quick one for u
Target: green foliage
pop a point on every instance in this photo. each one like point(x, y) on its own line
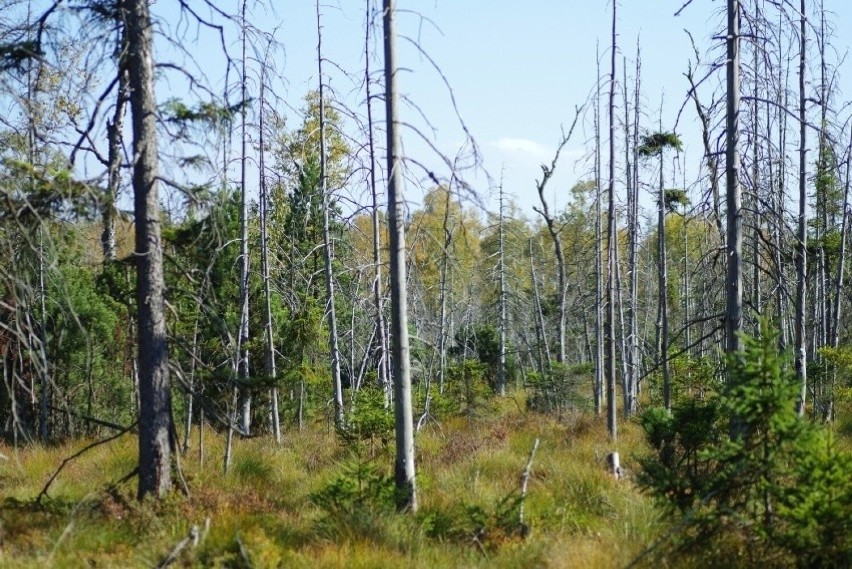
point(749, 476)
point(560, 390)
point(86, 337)
point(691, 379)
point(206, 114)
point(467, 391)
point(354, 502)
point(485, 527)
point(675, 198)
point(369, 420)
point(482, 342)
point(677, 470)
point(654, 144)
point(31, 192)
point(833, 383)
point(828, 190)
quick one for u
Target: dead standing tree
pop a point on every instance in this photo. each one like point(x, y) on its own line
point(404, 471)
point(155, 407)
point(553, 231)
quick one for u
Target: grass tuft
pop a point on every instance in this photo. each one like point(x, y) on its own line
point(312, 502)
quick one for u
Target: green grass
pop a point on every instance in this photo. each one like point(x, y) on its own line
point(265, 512)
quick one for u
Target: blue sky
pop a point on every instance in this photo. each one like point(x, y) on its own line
point(517, 70)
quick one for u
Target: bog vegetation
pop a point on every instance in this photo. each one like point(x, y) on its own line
point(275, 360)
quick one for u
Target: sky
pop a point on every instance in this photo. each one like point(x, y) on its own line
point(516, 71)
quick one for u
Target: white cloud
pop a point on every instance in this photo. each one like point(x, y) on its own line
point(531, 148)
point(517, 162)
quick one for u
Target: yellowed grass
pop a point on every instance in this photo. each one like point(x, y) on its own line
point(261, 513)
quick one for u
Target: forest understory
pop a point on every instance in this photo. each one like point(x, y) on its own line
point(317, 500)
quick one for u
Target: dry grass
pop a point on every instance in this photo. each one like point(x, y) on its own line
point(262, 515)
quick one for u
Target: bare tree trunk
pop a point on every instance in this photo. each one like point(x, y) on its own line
point(841, 261)
point(609, 324)
point(626, 393)
point(733, 288)
point(190, 396)
point(628, 377)
point(404, 467)
point(560, 257)
point(444, 293)
point(114, 158)
point(633, 238)
point(757, 217)
point(802, 232)
point(778, 193)
point(544, 363)
point(44, 363)
point(155, 415)
point(828, 414)
point(599, 359)
point(501, 370)
point(263, 198)
point(378, 300)
point(331, 311)
point(550, 221)
point(663, 284)
point(244, 401)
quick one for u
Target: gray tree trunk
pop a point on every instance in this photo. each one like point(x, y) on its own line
point(404, 470)
point(544, 361)
point(663, 278)
point(244, 400)
point(599, 359)
point(799, 333)
point(331, 312)
point(383, 362)
point(271, 368)
point(501, 370)
point(733, 281)
point(609, 324)
point(155, 410)
point(557, 248)
point(634, 353)
point(114, 157)
point(444, 291)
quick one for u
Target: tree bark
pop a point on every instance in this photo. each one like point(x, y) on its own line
point(734, 239)
point(599, 359)
point(501, 370)
point(802, 230)
point(114, 157)
point(609, 324)
point(331, 311)
point(404, 471)
point(663, 278)
point(155, 412)
point(634, 354)
point(244, 400)
point(383, 362)
point(263, 214)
